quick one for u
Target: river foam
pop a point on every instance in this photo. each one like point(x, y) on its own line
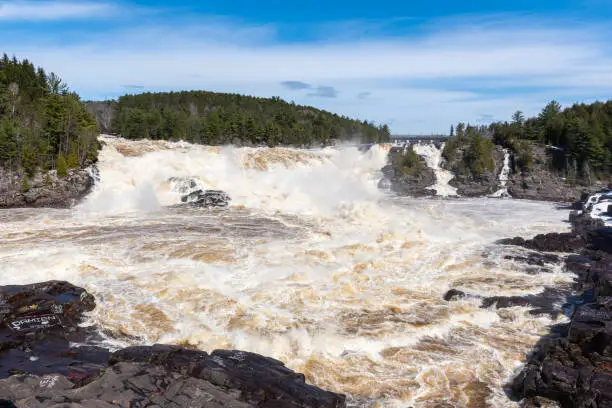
point(311, 264)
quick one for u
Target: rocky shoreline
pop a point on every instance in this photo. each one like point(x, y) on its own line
point(47, 359)
point(45, 190)
point(573, 364)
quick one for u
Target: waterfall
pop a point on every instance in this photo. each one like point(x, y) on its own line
point(503, 177)
point(433, 158)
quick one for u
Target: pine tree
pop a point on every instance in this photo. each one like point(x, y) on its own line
point(61, 166)
point(73, 158)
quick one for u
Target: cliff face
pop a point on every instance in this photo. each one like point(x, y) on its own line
point(407, 182)
point(540, 183)
point(537, 183)
point(44, 190)
point(485, 184)
point(104, 111)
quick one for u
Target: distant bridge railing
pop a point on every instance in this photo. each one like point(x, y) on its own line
point(417, 138)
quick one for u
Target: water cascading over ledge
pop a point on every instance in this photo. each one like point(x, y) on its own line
point(433, 157)
point(310, 264)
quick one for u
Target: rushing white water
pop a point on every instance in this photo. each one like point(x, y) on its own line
point(311, 264)
point(503, 177)
point(433, 157)
point(597, 206)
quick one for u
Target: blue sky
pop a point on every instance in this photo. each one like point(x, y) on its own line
point(417, 66)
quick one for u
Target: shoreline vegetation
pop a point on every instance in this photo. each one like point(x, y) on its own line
point(43, 125)
point(577, 141)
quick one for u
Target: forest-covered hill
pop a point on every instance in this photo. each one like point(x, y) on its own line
point(222, 118)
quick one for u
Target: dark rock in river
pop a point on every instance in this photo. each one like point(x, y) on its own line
point(535, 258)
point(553, 242)
point(207, 198)
point(454, 294)
point(170, 376)
point(403, 181)
point(47, 360)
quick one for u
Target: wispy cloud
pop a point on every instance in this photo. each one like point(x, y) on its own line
point(133, 86)
point(426, 80)
point(296, 85)
point(485, 118)
point(324, 92)
point(53, 10)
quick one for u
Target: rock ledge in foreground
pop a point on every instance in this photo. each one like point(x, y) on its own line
point(47, 359)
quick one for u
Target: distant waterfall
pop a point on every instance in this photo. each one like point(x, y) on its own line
point(433, 158)
point(503, 177)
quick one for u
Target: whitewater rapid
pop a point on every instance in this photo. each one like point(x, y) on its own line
point(311, 264)
point(504, 175)
point(433, 158)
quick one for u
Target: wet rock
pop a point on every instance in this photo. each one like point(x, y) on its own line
point(40, 325)
point(207, 198)
point(171, 376)
point(553, 242)
point(47, 360)
point(502, 302)
point(535, 258)
point(258, 379)
point(541, 303)
point(454, 294)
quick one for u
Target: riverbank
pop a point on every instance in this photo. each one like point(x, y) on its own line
point(45, 189)
point(573, 364)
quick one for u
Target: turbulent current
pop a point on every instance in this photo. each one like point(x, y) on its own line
point(311, 264)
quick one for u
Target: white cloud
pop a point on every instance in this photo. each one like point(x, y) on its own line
point(52, 10)
point(423, 82)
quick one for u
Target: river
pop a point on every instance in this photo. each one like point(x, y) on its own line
point(311, 264)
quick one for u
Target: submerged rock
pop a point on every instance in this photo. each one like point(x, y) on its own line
point(207, 198)
point(46, 359)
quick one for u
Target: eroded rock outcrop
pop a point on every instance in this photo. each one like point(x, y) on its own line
point(415, 182)
point(46, 190)
point(540, 183)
